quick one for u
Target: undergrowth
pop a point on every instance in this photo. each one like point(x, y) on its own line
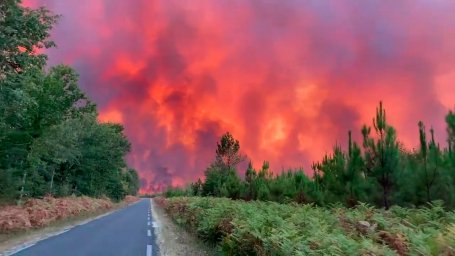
point(269, 228)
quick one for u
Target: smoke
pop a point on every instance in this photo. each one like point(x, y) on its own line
point(286, 78)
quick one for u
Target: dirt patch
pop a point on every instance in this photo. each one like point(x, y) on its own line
point(174, 240)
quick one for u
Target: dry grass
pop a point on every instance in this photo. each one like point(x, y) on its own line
point(36, 213)
point(14, 239)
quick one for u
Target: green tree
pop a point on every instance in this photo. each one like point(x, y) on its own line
point(250, 176)
point(213, 181)
point(221, 177)
point(131, 181)
point(197, 188)
point(450, 121)
point(228, 152)
point(382, 155)
point(50, 140)
point(354, 179)
point(428, 150)
point(22, 31)
point(330, 172)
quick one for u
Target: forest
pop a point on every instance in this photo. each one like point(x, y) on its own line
point(51, 142)
point(379, 171)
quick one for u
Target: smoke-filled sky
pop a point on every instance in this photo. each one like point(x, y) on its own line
point(286, 78)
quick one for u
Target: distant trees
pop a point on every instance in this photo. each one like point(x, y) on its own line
point(380, 172)
point(50, 140)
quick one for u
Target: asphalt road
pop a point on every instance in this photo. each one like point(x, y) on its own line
point(125, 232)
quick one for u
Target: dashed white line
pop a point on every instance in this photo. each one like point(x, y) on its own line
point(149, 232)
point(149, 250)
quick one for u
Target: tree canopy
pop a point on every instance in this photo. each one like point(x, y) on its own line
point(50, 139)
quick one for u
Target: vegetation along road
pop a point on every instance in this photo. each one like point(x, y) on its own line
point(125, 232)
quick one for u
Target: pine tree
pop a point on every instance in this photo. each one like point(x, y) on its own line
point(250, 176)
point(450, 121)
point(228, 152)
point(382, 154)
point(354, 180)
point(429, 154)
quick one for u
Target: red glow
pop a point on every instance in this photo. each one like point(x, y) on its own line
point(286, 78)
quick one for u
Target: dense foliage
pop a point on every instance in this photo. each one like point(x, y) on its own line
point(269, 228)
point(379, 172)
point(50, 139)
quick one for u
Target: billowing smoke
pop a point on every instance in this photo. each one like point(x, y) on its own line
point(287, 78)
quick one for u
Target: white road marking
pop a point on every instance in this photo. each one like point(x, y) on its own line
point(148, 223)
point(155, 225)
point(149, 250)
point(149, 233)
point(31, 243)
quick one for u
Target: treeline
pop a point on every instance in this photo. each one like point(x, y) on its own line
point(378, 171)
point(50, 139)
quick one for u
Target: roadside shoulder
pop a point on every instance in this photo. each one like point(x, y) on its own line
point(173, 240)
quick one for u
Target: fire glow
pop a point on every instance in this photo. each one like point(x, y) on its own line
point(286, 78)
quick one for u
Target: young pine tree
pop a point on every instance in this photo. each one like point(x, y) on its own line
point(250, 176)
point(354, 179)
point(429, 155)
point(450, 121)
point(382, 155)
point(228, 152)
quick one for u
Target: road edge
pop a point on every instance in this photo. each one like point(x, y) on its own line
point(32, 241)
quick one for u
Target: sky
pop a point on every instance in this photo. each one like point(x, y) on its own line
point(287, 78)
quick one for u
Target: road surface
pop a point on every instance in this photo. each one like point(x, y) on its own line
point(128, 232)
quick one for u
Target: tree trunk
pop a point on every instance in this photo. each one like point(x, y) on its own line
point(52, 181)
point(386, 198)
point(24, 178)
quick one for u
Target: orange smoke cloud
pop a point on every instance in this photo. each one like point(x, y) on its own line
point(287, 78)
